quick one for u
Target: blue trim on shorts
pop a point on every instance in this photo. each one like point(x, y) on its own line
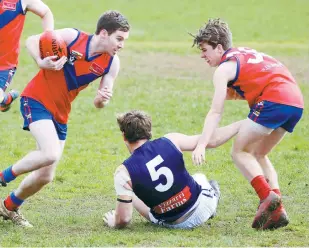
point(274, 115)
point(33, 110)
point(6, 77)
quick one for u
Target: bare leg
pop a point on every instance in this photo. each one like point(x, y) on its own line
point(279, 217)
point(49, 150)
point(252, 144)
point(41, 162)
point(263, 148)
point(37, 179)
point(242, 155)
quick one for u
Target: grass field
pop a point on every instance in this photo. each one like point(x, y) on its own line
point(164, 76)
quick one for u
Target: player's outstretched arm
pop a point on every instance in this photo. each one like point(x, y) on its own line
point(105, 90)
point(220, 136)
point(223, 74)
point(41, 9)
point(224, 134)
point(122, 215)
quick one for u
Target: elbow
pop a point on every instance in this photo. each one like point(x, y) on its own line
point(211, 145)
point(48, 14)
point(216, 112)
point(214, 116)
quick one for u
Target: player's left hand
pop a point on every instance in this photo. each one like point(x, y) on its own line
point(105, 94)
point(109, 218)
point(198, 155)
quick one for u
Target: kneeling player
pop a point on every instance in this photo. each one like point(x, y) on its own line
point(154, 179)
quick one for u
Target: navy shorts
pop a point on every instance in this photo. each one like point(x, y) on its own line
point(6, 77)
point(33, 110)
point(275, 115)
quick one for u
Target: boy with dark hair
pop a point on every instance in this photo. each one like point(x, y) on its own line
point(155, 181)
point(46, 102)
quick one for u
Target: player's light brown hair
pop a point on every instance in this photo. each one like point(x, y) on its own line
point(135, 125)
point(112, 21)
point(214, 32)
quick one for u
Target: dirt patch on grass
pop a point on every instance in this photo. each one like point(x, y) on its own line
point(192, 66)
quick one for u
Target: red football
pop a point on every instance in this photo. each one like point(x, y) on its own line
point(52, 44)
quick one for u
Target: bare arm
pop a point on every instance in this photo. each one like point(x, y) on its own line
point(32, 45)
point(141, 207)
point(123, 212)
point(220, 136)
point(122, 215)
point(105, 90)
point(42, 10)
point(223, 74)
point(224, 134)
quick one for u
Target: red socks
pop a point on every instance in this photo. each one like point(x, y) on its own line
point(12, 202)
point(261, 187)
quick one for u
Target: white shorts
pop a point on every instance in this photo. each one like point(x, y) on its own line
point(204, 207)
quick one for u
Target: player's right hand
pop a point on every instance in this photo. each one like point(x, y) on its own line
point(109, 218)
point(198, 155)
point(48, 63)
point(105, 94)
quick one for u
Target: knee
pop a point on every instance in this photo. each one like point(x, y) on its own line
point(239, 152)
point(51, 156)
point(259, 155)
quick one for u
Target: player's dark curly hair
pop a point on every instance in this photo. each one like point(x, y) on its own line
point(112, 21)
point(215, 32)
point(135, 125)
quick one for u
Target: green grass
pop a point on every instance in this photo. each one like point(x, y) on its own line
point(164, 76)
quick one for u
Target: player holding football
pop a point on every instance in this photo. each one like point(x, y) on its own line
point(155, 181)
point(46, 101)
point(12, 18)
point(276, 105)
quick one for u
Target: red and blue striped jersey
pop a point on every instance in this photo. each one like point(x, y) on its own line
point(56, 90)
point(12, 19)
point(261, 77)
